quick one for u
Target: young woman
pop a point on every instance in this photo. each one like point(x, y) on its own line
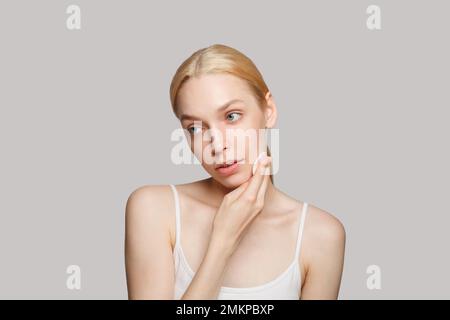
point(233, 235)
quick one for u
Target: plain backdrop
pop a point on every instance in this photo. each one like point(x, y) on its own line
point(85, 119)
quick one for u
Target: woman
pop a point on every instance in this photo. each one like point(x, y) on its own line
point(233, 235)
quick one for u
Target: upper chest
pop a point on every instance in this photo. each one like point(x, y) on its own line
point(265, 251)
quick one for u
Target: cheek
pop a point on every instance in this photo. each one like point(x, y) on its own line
point(197, 146)
point(202, 150)
point(251, 129)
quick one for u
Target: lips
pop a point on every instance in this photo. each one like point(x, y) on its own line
point(228, 169)
point(226, 164)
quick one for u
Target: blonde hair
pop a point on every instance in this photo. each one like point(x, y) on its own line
point(219, 58)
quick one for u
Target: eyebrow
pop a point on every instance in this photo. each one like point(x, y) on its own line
point(221, 108)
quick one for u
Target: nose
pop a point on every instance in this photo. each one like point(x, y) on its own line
point(217, 142)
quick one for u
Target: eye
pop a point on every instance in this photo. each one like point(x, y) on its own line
point(192, 130)
point(234, 116)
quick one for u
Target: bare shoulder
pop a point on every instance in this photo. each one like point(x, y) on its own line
point(148, 243)
point(323, 225)
point(148, 199)
point(324, 234)
point(324, 251)
point(150, 206)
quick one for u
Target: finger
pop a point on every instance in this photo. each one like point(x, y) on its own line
point(257, 179)
point(265, 183)
point(262, 189)
point(238, 191)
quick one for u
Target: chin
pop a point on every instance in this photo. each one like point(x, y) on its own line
point(232, 181)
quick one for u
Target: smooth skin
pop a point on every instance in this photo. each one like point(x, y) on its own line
point(237, 231)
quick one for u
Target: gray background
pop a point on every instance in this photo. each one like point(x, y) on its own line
point(85, 119)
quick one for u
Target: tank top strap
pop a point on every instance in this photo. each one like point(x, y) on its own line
point(177, 214)
point(300, 230)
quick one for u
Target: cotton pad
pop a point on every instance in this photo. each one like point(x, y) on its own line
point(255, 164)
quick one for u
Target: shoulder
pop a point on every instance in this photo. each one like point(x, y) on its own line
point(149, 206)
point(324, 233)
point(323, 255)
point(145, 198)
point(148, 248)
point(324, 225)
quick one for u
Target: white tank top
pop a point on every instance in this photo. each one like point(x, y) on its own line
point(285, 286)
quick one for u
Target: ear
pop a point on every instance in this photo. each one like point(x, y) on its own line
point(270, 112)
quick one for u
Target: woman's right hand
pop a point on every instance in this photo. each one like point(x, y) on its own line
point(240, 206)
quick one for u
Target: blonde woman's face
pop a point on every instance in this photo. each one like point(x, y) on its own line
point(222, 121)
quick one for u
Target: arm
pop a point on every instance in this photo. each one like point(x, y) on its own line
point(148, 251)
point(324, 256)
point(208, 279)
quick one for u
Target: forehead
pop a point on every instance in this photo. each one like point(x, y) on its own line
point(207, 92)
